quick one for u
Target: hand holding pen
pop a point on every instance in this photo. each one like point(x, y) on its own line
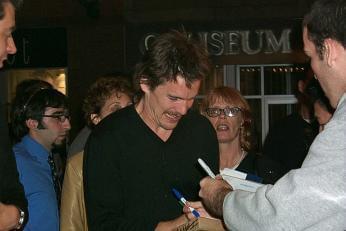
point(213, 190)
point(183, 202)
point(197, 205)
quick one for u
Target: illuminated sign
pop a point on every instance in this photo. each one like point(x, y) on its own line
point(236, 42)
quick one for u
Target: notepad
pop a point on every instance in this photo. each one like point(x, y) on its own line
point(240, 180)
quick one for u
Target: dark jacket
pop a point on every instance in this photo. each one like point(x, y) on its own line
point(11, 190)
point(288, 142)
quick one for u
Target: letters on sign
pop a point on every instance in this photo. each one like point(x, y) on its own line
point(238, 41)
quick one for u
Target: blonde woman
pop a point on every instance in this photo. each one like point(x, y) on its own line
point(107, 95)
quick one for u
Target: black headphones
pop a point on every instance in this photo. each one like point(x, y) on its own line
point(26, 104)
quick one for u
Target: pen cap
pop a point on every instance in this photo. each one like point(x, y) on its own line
point(176, 193)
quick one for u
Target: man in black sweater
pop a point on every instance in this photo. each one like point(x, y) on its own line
point(135, 156)
point(13, 205)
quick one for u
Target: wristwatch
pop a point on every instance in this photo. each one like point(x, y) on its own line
point(21, 219)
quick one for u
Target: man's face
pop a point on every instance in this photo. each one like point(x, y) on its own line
point(167, 103)
point(318, 65)
point(7, 25)
point(56, 125)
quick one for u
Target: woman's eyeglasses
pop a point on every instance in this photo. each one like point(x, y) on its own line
point(227, 111)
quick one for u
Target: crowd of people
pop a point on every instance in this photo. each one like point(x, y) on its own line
point(143, 139)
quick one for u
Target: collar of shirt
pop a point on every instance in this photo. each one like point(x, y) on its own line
point(35, 149)
point(343, 97)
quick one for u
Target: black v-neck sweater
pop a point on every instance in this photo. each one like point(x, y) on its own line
point(129, 171)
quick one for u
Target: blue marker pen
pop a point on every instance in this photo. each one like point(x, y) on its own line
point(181, 199)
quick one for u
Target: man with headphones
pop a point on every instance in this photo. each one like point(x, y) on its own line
point(41, 120)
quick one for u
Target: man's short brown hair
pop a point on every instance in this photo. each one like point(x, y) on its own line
point(15, 3)
point(172, 54)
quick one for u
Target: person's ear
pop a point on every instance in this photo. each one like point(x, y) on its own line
point(144, 84)
point(95, 118)
point(31, 124)
point(301, 86)
point(202, 112)
point(330, 51)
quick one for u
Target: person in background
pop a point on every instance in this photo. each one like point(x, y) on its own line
point(114, 90)
point(230, 115)
point(323, 111)
point(41, 119)
point(24, 88)
point(288, 140)
point(13, 204)
point(135, 156)
point(322, 108)
point(105, 96)
point(312, 197)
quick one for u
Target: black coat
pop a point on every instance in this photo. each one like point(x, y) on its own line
point(288, 142)
point(11, 190)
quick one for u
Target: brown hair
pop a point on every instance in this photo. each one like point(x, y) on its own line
point(326, 19)
point(15, 3)
point(103, 88)
point(172, 54)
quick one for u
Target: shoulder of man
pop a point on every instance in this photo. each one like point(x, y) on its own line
point(117, 118)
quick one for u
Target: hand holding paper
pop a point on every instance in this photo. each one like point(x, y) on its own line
point(237, 179)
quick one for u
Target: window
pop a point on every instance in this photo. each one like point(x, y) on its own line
point(269, 90)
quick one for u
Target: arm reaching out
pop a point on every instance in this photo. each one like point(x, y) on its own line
point(213, 192)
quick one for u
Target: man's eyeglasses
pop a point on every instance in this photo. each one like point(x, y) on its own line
point(227, 111)
point(59, 117)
